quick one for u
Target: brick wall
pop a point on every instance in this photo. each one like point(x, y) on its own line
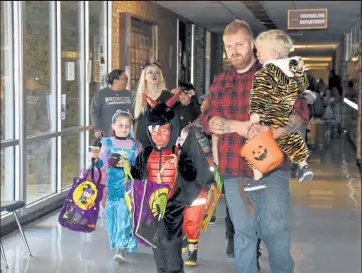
point(167, 32)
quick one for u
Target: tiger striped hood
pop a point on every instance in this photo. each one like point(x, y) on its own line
point(289, 65)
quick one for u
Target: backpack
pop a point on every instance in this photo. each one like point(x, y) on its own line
point(81, 207)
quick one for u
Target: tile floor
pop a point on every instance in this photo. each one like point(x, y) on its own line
point(325, 221)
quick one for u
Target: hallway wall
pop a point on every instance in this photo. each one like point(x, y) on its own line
point(217, 49)
point(200, 43)
point(359, 131)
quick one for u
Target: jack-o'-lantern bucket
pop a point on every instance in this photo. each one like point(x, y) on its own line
point(263, 152)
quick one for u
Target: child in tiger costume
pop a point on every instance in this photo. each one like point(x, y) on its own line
point(274, 90)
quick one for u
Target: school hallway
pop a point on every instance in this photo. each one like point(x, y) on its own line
point(325, 221)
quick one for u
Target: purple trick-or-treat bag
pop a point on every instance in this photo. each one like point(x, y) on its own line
point(81, 207)
point(148, 204)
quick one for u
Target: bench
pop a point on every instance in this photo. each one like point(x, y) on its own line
point(12, 207)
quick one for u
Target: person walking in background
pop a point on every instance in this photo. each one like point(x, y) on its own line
point(202, 103)
point(152, 84)
point(335, 81)
point(188, 108)
point(108, 100)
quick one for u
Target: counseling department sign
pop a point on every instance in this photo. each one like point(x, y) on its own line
point(308, 19)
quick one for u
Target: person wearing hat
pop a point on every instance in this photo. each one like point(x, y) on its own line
point(188, 107)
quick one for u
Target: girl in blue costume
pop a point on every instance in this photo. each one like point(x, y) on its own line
point(117, 216)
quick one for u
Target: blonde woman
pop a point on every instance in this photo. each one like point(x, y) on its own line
point(152, 84)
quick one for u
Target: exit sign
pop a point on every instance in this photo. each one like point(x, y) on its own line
point(307, 19)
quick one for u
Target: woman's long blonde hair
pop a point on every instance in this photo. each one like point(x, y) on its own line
point(140, 104)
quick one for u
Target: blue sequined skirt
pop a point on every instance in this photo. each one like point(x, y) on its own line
point(118, 226)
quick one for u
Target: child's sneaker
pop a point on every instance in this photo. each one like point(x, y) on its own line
point(305, 174)
point(212, 220)
point(120, 256)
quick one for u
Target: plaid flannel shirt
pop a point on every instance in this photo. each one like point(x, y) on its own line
point(229, 98)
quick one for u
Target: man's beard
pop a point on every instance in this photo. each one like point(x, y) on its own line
point(242, 63)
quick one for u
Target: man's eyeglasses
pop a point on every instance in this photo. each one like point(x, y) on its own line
point(124, 79)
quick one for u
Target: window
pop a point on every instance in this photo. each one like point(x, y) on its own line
point(71, 104)
point(141, 48)
point(7, 174)
point(39, 62)
point(97, 37)
point(41, 169)
point(7, 86)
point(46, 48)
point(72, 157)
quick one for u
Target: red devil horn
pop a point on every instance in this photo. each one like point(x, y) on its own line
point(150, 101)
point(171, 102)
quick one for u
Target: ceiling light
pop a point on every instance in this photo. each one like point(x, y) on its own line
point(354, 59)
point(317, 68)
point(317, 59)
point(317, 46)
point(316, 64)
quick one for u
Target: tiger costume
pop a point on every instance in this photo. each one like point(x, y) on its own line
point(274, 91)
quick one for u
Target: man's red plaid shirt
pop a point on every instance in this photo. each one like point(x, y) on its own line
point(229, 98)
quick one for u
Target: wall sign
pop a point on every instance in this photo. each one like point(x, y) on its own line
point(97, 72)
point(69, 71)
point(308, 19)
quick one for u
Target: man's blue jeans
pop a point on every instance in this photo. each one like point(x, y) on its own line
point(271, 206)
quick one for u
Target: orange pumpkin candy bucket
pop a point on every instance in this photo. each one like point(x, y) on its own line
point(263, 152)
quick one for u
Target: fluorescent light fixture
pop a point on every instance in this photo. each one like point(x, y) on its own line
point(316, 46)
point(317, 59)
point(316, 64)
point(317, 68)
point(355, 59)
point(351, 103)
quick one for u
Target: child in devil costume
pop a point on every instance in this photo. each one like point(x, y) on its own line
point(163, 179)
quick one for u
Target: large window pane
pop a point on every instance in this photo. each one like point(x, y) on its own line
point(72, 157)
point(41, 163)
point(97, 45)
point(7, 90)
point(71, 49)
point(7, 174)
point(39, 66)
